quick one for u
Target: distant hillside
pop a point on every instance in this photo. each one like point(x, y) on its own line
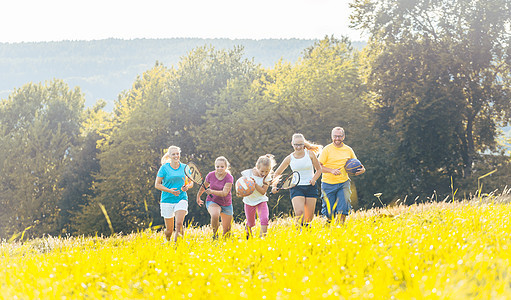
point(104, 68)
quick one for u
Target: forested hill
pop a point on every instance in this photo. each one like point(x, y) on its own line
point(104, 68)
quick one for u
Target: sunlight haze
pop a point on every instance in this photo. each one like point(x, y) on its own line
point(56, 20)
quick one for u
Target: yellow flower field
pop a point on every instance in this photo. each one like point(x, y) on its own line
point(434, 251)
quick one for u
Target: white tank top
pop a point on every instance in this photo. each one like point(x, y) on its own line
point(304, 167)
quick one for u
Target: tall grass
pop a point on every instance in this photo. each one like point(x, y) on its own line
point(434, 250)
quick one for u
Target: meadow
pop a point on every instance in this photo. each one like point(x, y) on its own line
point(440, 250)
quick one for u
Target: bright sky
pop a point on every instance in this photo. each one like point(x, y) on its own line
point(56, 20)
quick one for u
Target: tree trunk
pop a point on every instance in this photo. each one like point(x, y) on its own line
point(468, 155)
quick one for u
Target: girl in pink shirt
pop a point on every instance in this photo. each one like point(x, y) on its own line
point(218, 185)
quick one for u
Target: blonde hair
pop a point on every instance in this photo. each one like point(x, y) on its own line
point(266, 160)
point(166, 157)
point(227, 164)
point(308, 145)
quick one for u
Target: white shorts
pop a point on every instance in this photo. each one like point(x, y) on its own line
point(168, 210)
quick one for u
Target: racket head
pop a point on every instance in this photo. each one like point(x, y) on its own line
point(192, 172)
point(289, 181)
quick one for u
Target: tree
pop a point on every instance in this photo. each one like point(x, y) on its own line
point(435, 73)
point(39, 126)
point(78, 176)
point(129, 159)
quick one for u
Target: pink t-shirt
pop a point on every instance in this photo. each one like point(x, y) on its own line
point(218, 185)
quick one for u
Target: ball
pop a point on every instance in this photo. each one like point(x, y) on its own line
point(353, 165)
point(245, 186)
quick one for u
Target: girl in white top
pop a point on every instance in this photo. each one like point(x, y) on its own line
point(304, 161)
point(258, 201)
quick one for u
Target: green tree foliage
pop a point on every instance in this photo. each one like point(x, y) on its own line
point(78, 176)
point(129, 158)
point(436, 74)
point(39, 128)
point(199, 78)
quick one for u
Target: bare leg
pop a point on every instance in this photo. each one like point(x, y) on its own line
point(180, 218)
point(310, 206)
point(214, 211)
point(264, 230)
point(169, 228)
point(226, 224)
point(299, 208)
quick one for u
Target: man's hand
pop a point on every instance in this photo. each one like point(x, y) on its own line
point(361, 171)
point(336, 171)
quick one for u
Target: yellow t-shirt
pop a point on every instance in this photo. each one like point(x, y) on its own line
point(335, 158)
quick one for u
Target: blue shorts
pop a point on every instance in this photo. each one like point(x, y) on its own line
point(224, 209)
point(336, 199)
point(307, 191)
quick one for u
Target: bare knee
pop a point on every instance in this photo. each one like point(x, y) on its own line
point(215, 216)
point(179, 227)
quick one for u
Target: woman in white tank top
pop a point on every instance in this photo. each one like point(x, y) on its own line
point(304, 161)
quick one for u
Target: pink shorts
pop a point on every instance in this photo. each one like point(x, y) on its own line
point(262, 212)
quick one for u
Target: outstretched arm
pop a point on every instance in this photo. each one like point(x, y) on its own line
point(200, 192)
point(328, 170)
point(224, 192)
point(278, 172)
point(317, 167)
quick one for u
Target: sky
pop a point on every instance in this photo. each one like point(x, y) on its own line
point(57, 20)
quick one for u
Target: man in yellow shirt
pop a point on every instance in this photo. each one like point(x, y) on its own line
point(335, 183)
